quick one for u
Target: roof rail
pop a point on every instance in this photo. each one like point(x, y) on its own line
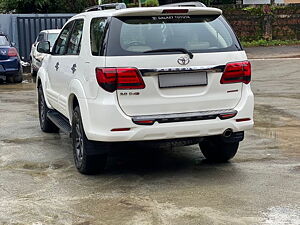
point(106, 6)
point(185, 4)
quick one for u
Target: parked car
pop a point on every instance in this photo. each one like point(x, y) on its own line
point(10, 63)
point(163, 74)
point(36, 57)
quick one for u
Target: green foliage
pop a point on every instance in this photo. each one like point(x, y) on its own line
point(151, 3)
point(255, 11)
point(262, 42)
point(45, 6)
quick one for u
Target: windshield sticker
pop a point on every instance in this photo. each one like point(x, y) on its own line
point(170, 17)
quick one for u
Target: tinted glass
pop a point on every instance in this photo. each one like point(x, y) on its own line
point(97, 35)
point(40, 37)
point(52, 37)
point(135, 35)
point(4, 41)
point(75, 39)
point(61, 43)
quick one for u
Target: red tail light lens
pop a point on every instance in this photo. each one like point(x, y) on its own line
point(227, 115)
point(111, 79)
point(129, 78)
point(144, 122)
point(175, 11)
point(236, 73)
point(107, 78)
point(12, 52)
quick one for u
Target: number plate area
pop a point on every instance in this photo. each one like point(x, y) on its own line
point(182, 79)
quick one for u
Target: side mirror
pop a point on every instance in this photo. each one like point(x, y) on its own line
point(43, 47)
point(13, 44)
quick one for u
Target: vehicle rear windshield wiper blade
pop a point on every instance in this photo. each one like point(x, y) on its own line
point(172, 50)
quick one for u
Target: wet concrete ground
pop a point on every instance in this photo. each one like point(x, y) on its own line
point(261, 185)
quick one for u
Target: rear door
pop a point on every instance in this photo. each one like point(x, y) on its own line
point(70, 65)
point(55, 66)
point(174, 81)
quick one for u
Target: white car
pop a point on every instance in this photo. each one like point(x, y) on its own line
point(163, 74)
point(36, 57)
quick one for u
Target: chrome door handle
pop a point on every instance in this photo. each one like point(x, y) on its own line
point(57, 66)
point(73, 68)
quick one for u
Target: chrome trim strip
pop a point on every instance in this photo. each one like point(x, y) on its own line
point(181, 117)
point(153, 72)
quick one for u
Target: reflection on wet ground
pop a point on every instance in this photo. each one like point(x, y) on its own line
point(39, 184)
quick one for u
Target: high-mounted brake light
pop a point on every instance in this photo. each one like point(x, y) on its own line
point(12, 52)
point(175, 11)
point(237, 72)
point(111, 79)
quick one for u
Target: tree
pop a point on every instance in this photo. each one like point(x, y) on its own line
point(45, 6)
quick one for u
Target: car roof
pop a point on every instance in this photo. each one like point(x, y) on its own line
point(149, 11)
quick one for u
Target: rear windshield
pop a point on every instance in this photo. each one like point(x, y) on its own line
point(136, 35)
point(4, 41)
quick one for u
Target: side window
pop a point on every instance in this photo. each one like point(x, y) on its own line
point(40, 37)
point(74, 43)
point(61, 43)
point(97, 35)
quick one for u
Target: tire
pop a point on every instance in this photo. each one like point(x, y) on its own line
point(215, 149)
point(32, 71)
point(10, 79)
point(16, 78)
point(90, 157)
point(46, 125)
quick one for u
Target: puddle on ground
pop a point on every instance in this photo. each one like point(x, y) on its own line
point(287, 215)
point(280, 126)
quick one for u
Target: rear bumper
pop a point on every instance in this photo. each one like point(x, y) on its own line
point(104, 116)
point(11, 66)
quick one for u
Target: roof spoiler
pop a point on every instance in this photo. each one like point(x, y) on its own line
point(185, 4)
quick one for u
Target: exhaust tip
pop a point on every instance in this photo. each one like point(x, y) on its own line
point(227, 133)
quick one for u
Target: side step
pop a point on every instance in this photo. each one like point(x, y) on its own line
point(60, 121)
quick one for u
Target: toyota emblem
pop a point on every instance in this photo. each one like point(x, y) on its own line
point(184, 60)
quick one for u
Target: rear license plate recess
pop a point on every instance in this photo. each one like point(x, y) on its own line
point(182, 79)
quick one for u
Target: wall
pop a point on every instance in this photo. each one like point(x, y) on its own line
point(247, 2)
point(264, 22)
point(24, 28)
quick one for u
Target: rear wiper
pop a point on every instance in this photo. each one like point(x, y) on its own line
point(183, 50)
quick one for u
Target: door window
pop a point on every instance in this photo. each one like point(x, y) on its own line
point(74, 43)
point(60, 46)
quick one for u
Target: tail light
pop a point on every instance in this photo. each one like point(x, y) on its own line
point(237, 72)
point(111, 79)
point(225, 116)
point(175, 11)
point(12, 52)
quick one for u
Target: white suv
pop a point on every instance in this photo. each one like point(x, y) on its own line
point(36, 58)
point(163, 74)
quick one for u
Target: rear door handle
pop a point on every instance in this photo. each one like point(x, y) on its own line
point(57, 66)
point(73, 68)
